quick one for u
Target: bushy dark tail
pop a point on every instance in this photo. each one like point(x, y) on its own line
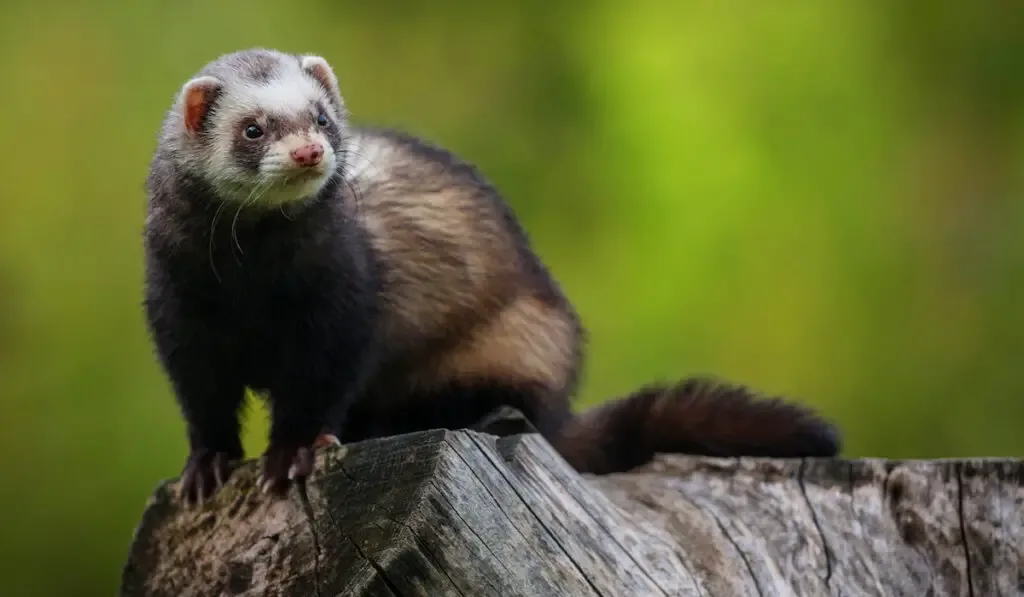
point(695, 416)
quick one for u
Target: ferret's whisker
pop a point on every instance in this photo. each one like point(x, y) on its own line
point(213, 232)
point(254, 195)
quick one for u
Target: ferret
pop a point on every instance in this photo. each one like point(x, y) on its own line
point(368, 283)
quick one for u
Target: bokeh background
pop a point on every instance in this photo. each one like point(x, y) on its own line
point(822, 200)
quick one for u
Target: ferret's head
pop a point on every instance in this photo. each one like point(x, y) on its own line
point(262, 127)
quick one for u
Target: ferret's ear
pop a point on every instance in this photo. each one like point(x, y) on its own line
point(197, 97)
point(318, 68)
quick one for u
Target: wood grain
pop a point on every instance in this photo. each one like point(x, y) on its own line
point(471, 513)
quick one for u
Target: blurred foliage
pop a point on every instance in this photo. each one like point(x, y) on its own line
point(822, 200)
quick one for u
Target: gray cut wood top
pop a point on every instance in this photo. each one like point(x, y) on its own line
point(471, 514)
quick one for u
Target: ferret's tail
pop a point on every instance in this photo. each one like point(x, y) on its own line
point(695, 416)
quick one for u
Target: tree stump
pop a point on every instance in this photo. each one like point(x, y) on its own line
point(470, 513)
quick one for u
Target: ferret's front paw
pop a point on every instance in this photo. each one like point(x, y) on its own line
point(285, 462)
point(204, 473)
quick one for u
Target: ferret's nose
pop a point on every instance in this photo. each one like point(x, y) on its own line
point(308, 155)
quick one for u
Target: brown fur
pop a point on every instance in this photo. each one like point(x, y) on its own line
point(457, 281)
point(470, 306)
point(526, 342)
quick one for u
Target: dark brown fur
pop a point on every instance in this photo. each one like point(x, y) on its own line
point(694, 416)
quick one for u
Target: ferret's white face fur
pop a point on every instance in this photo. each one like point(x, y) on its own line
point(262, 127)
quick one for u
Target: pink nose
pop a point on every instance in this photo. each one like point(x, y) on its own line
point(308, 155)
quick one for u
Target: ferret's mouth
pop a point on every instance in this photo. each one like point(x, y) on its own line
point(304, 175)
point(293, 176)
point(291, 186)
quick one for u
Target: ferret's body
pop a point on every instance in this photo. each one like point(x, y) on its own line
point(372, 284)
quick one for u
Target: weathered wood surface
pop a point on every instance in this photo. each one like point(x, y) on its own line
point(465, 513)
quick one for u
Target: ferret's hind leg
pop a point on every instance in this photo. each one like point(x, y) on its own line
point(524, 356)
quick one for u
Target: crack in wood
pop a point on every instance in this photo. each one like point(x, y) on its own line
point(489, 449)
point(428, 552)
point(655, 507)
point(958, 469)
point(547, 529)
point(817, 524)
point(601, 524)
point(494, 556)
point(377, 568)
point(497, 504)
point(742, 554)
point(311, 519)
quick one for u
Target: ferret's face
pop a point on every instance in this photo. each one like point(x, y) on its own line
point(267, 129)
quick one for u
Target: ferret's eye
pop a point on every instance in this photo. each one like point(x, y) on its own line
point(253, 132)
point(322, 119)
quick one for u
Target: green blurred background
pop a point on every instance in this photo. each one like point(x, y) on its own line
point(822, 200)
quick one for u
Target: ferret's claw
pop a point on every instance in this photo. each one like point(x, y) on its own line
point(325, 440)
